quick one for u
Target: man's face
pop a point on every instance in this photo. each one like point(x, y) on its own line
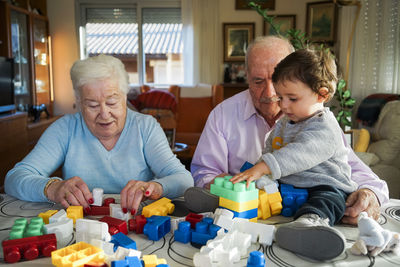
point(261, 64)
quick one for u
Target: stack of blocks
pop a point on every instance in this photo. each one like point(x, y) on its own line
point(241, 200)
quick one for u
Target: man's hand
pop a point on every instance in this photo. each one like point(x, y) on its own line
point(361, 200)
point(137, 191)
point(71, 192)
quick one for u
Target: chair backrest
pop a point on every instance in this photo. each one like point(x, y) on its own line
point(194, 106)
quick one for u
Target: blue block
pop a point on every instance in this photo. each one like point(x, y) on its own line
point(247, 165)
point(292, 199)
point(162, 265)
point(256, 259)
point(248, 214)
point(128, 262)
point(157, 226)
point(183, 233)
point(120, 239)
point(204, 232)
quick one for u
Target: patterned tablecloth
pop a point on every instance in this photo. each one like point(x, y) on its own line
point(178, 254)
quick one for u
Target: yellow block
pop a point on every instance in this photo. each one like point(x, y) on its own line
point(46, 215)
point(253, 220)
point(161, 207)
point(269, 204)
point(275, 203)
point(238, 206)
point(150, 260)
point(77, 255)
point(75, 212)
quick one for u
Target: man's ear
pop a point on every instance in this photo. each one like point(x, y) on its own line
point(323, 93)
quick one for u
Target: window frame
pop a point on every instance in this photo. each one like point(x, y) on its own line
point(80, 22)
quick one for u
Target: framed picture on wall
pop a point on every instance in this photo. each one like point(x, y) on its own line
point(321, 21)
point(237, 37)
point(244, 4)
point(286, 22)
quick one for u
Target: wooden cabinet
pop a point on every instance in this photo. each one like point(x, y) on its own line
point(231, 89)
point(25, 38)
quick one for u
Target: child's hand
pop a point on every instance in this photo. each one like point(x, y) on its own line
point(252, 174)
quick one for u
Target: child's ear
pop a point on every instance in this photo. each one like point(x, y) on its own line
point(323, 93)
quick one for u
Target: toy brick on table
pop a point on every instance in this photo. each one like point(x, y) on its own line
point(161, 207)
point(115, 225)
point(46, 215)
point(75, 212)
point(292, 199)
point(157, 227)
point(193, 218)
point(152, 260)
point(127, 262)
point(21, 228)
point(122, 240)
point(256, 259)
point(29, 248)
point(204, 231)
point(137, 223)
point(77, 255)
point(183, 233)
point(97, 196)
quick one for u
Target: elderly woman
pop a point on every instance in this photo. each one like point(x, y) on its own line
point(105, 145)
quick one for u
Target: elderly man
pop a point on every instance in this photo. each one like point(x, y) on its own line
point(236, 131)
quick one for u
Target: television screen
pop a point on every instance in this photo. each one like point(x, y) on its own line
point(6, 85)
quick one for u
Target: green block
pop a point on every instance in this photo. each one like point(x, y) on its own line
point(35, 227)
point(238, 192)
point(18, 228)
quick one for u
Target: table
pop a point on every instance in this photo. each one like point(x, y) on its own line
point(178, 254)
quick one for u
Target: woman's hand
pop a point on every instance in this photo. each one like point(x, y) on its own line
point(137, 191)
point(71, 192)
point(361, 200)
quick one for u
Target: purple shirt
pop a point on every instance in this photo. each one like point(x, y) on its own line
point(236, 133)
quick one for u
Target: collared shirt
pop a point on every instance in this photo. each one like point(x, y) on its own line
point(236, 133)
point(141, 153)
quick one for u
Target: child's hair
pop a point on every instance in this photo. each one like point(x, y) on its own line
point(315, 68)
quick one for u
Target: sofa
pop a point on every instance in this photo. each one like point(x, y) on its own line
point(382, 153)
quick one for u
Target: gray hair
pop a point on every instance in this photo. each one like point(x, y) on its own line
point(98, 68)
point(269, 42)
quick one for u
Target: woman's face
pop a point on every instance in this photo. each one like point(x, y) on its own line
point(103, 108)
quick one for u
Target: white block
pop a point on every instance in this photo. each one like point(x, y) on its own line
point(116, 212)
point(97, 196)
point(59, 216)
point(266, 234)
point(203, 258)
point(91, 229)
point(62, 229)
point(107, 247)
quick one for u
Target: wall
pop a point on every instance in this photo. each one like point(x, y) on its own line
point(65, 47)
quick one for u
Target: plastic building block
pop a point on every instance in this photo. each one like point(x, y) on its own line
point(238, 192)
point(115, 225)
point(62, 229)
point(161, 207)
point(248, 214)
point(162, 265)
point(122, 240)
point(75, 212)
point(128, 262)
point(108, 201)
point(98, 210)
point(247, 165)
point(77, 255)
point(256, 259)
point(97, 196)
point(223, 218)
point(269, 204)
point(21, 228)
point(292, 199)
point(238, 206)
point(116, 212)
point(157, 227)
point(29, 248)
point(152, 261)
point(87, 230)
point(193, 218)
point(46, 215)
point(137, 223)
point(204, 232)
point(183, 233)
point(59, 216)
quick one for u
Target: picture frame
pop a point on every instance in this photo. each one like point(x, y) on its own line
point(321, 21)
point(286, 21)
point(237, 37)
point(243, 4)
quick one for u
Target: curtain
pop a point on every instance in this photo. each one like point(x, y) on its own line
point(202, 36)
point(376, 49)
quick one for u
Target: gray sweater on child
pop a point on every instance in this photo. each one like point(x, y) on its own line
point(313, 153)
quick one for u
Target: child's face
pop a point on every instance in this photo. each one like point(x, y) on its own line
point(297, 100)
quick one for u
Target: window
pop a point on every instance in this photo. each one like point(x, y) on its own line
point(147, 39)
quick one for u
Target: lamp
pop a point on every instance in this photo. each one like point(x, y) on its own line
point(349, 3)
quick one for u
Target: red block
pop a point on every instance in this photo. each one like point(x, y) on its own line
point(115, 224)
point(108, 201)
point(29, 248)
point(98, 210)
point(137, 224)
point(193, 218)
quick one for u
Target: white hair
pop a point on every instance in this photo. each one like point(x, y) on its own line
point(277, 43)
point(101, 67)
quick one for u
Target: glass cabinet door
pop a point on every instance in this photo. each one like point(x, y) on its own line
point(41, 62)
point(20, 53)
